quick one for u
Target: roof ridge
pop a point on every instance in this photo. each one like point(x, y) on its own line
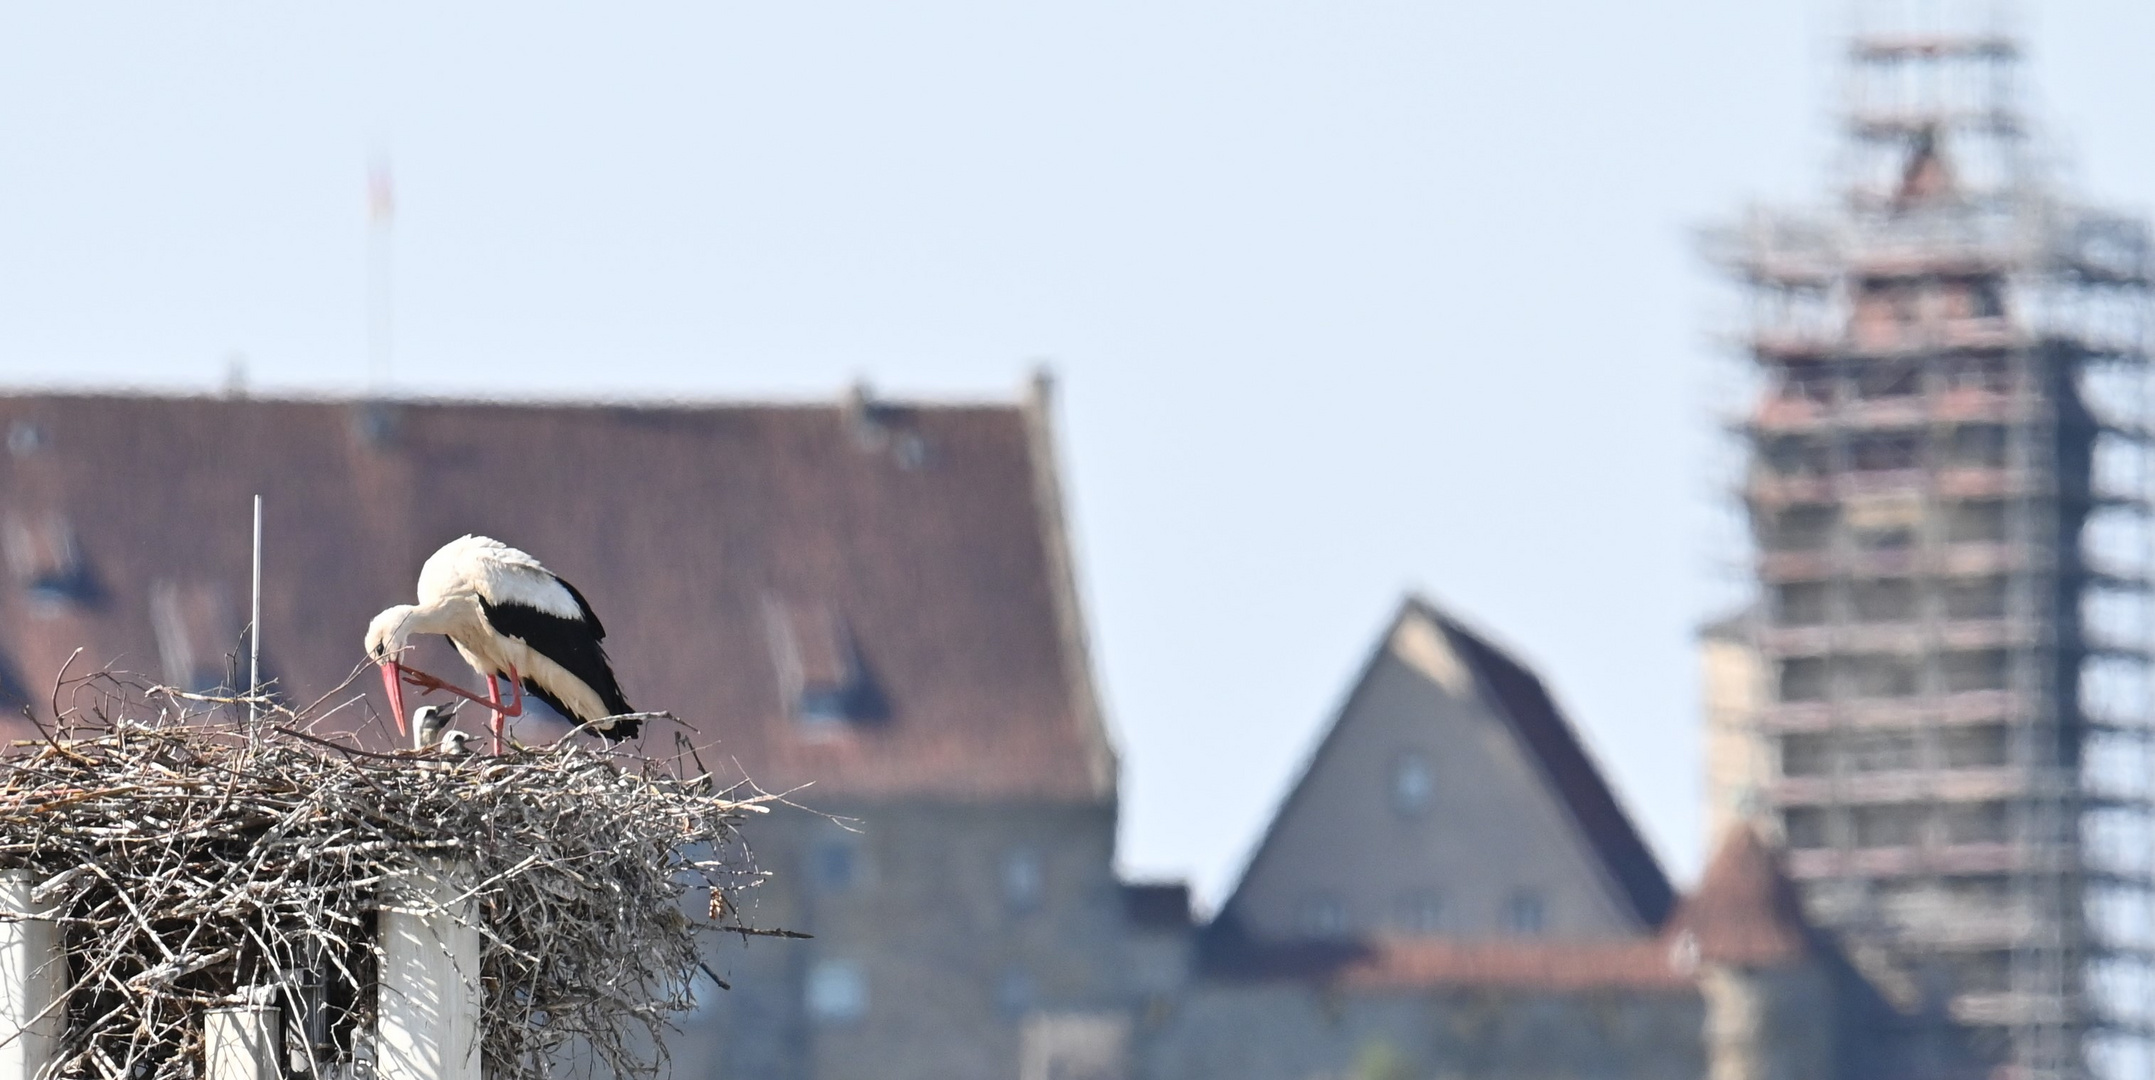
point(569, 399)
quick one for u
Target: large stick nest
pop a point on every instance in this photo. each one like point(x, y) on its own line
point(193, 859)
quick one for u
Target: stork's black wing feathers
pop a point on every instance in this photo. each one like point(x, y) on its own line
point(598, 629)
point(572, 643)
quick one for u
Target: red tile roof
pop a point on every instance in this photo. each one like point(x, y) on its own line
point(924, 540)
point(1562, 966)
point(1745, 911)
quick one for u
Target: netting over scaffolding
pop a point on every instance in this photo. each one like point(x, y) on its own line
point(1947, 493)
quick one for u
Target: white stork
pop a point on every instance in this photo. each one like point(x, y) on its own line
point(509, 617)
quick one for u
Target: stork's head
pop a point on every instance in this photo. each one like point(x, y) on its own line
point(388, 634)
point(386, 637)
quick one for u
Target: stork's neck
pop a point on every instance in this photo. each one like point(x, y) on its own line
point(446, 615)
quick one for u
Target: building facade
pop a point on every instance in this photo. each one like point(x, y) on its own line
point(868, 606)
point(1939, 697)
point(1452, 889)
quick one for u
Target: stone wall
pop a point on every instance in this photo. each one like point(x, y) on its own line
point(1289, 1030)
point(940, 930)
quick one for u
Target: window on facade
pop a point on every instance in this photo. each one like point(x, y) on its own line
point(1420, 911)
point(1803, 678)
point(1891, 825)
point(1976, 446)
point(1802, 603)
point(1801, 528)
point(1987, 372)
point(1982, 669)
point(1323, 917)
point(1978, 521)
point(1805, 754)
point(833, 865)
point(1024, 879)
point(1809, 382)
point(1979, 888)
point(1524, 914)
point(1805, 826)
point(1888, 380)
point(837, 991)
point(1884, 600)
point(1988, 972)
point(1881, 751)
point(1798, 455)
point(1976, 823)
point(1974, 747)
point(1886, 452)
point(1881, 675)
point(1982, 598)
point(1413, 783)
point(1882, 311)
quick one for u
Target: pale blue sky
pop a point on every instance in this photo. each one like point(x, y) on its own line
point(1346, 297)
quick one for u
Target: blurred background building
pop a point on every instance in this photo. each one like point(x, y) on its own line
point(869, 605)
point(1928, 744)
point(1939, 700)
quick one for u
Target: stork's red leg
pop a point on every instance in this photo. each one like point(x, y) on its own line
point(390, 672)
point(516, 693)
point(493, 701)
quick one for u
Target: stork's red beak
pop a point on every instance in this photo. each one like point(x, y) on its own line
point(393, 681)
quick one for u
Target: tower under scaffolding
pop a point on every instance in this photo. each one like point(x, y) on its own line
point(1948, 491)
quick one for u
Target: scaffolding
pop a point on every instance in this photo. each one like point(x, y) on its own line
point(1947, 487)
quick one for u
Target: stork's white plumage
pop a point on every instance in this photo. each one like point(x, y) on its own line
point(510, 617)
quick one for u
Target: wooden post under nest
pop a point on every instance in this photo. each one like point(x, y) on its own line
point(243, 1042)
point(33, 976)
point(428, 1025)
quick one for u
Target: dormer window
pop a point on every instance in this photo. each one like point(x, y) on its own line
point(25, 438)
point(45, 560)
point(821, 672)
point(198, 634)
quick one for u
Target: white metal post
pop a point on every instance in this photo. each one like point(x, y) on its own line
point(254, 631)
point(428, 1027)
point(242, 1042)
point(33, 976)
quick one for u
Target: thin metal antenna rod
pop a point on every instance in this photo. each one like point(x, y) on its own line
point(254, 630)
point(381, 218)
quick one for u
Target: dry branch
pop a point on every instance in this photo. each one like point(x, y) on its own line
point(189, 860)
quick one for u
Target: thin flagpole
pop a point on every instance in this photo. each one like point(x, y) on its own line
point(254, 630)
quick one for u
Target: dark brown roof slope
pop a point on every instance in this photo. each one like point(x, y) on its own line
point(905, 562)
point(1571, 772)
point(1745, 911)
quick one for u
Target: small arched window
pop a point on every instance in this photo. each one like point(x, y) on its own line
point(1024, 879)
point(1413, 783)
